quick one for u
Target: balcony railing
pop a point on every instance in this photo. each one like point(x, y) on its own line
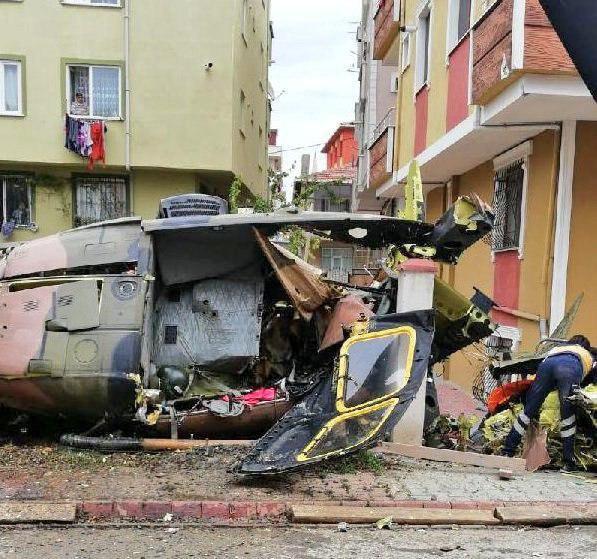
point(381, 150)
point(501, 52)
point(387, 27)
point(388, 120)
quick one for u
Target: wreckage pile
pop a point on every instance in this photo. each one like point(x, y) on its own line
point(543, 444)
point(202, 326)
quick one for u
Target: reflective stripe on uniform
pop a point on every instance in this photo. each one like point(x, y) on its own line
point(519, 428)
point(524, 419)
point(568, 432)
point(568, 421)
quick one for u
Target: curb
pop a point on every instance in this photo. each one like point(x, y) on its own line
point(268, 511)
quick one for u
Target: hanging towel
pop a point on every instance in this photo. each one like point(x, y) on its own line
point(98, 151)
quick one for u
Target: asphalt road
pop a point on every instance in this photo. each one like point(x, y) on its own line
point(296, 543)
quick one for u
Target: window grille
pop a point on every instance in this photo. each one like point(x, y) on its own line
point(507, 204)
point(100, 199)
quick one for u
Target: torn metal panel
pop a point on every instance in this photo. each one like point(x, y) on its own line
point(101, 244)
point(306, 291)
point(346, 312)
point(325, 424)
point(459, 322)
point(214, 323)
point(465, 223)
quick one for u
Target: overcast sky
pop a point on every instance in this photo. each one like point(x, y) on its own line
point(313, 50)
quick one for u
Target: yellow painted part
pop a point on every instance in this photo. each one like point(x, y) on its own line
point(414, 202)
point(343, 367)
point(463, 210)
point(550, 412)
point(390, 404)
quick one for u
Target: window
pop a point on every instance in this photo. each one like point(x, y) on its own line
point(100, 198)
point(459, 20)
point(405, 58)
point(394, 82)
point(336, 259)
point(328, 205)
point(423, 48)
point(15, 191)
point(11, 95)
point(507, 203)
point(94, 91)
point(94, 2)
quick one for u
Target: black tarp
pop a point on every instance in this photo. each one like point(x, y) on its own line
point(575, 21)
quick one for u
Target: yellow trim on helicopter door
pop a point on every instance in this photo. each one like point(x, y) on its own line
point(405, 366)
point(361, 430)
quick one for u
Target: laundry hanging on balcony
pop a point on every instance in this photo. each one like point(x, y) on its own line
point(86, 138)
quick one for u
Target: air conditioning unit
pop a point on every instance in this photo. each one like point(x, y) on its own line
point(192, 204)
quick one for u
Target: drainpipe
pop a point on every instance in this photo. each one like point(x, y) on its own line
point(127, 97)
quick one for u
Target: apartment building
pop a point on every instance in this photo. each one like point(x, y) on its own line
point(375, 111)
point(488, 101)
point(178, 88)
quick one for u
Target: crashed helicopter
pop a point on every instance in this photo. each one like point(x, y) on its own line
point(201, 325)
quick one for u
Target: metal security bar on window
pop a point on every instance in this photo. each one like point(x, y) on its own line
point(100, 198)
point(507, 204)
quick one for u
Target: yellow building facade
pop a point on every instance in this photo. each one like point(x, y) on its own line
point(489, 102)
point(181, 86)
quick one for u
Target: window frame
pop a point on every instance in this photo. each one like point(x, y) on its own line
point(19, 63)
point(30, 200)
point(452, 38)
point(86, 177)
point(91, 3)
point(521, 153)
point(423, 47)
point(91, 66)
point(405, 60)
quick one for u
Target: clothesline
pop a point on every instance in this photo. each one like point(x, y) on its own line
point(86, 138)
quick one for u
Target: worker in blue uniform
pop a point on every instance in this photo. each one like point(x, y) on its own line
point(562, 369)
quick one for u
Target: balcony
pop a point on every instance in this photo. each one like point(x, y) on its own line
point(506, 46)
point(387, 27)
point(381, 151)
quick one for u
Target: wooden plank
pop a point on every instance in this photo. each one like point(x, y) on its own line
point(551, 515)
point(189, 444)
point(313, 514)
point(34, 513)
point(455, 456)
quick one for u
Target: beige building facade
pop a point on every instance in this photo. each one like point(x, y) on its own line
point(180, 85)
